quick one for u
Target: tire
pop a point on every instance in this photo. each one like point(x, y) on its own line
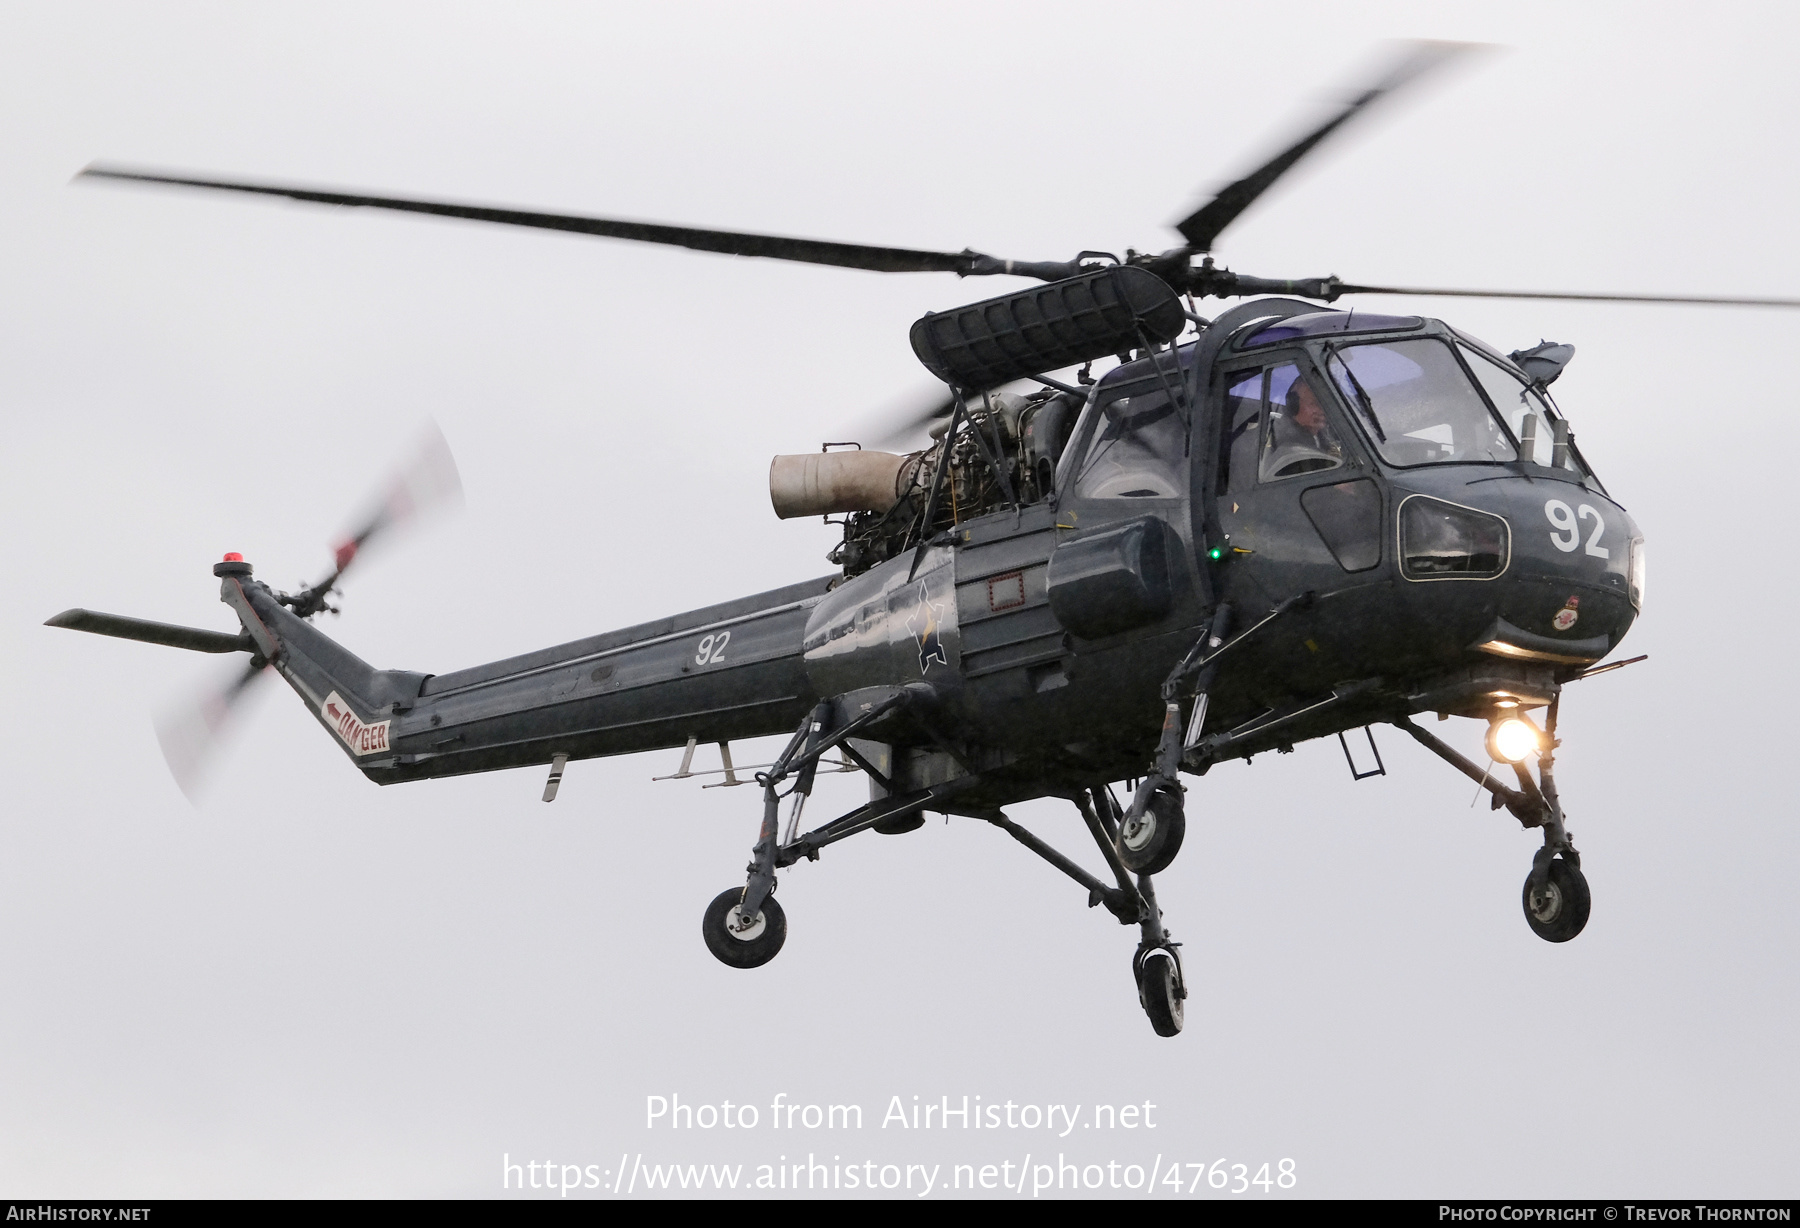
point(1160, 992)
point(1560, 911)
point(752, 950)
point(1150, 847)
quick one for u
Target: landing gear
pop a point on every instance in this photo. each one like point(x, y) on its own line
point(1556, 895)
point(1161, 989)
point(1149, 842)
point(739, 942)
point(745, 928)
point(1557, 907)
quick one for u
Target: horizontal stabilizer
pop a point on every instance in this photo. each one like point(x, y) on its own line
point(192, 638)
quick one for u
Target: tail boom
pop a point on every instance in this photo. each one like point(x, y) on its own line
point(728, 671)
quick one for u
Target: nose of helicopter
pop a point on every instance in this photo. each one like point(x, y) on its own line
point(1564, 563)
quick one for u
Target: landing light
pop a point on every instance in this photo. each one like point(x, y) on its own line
point(1513, 738)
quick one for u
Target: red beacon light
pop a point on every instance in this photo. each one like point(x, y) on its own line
point(232, 565)
point(233, 557)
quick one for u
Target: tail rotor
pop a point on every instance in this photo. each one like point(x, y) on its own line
point(191, 730)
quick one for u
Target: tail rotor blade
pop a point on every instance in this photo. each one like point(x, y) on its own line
point(426, 480)
point(191, 732)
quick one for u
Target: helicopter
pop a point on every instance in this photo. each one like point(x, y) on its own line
point(1283, 523)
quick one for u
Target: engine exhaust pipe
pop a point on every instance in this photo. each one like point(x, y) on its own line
point(820, 483)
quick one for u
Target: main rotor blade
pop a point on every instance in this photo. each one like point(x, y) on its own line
point(728, 242)
point(1202, 227)
point(902, 421)
point(1703, 300)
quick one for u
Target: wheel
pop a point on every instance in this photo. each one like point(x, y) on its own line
point(1149, 845)
point(751, 947)
point(1559, 911)
point(1160, 990)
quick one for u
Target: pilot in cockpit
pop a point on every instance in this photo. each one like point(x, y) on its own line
point(1300, 439)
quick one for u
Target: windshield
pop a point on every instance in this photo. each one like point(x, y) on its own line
point(1138, 450)
point(1524, 410)
point(1417, 403)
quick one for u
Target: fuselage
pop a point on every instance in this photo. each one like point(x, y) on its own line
point(1458, 562)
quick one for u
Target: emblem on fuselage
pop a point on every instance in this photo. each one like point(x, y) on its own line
point(925, 624)
point(1565, 617)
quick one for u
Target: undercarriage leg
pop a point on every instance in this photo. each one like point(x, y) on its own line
point(1556, 896)
point(1102, 819)
point(1122, 902)
point(768, 841)
point(1156, 965)
point(745, 928)
point(1162, 987)
point(762, 857)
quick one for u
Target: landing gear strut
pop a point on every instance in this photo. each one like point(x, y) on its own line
point(1556, 897)
point(1156, 967)
point(746, 928)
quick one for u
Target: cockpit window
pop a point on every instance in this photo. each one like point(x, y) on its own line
point(1417, 403)
point(1297, 438)
point(1525, 412)
point(1276, 426)
point(1138, 451)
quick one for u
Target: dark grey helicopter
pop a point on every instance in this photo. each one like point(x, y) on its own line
point(1291, 524)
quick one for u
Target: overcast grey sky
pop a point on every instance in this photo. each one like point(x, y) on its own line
point(310, 986)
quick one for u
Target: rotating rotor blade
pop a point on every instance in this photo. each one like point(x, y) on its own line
point(727, 242)
point(902, 421)
point(904, 418)
point(1202, 227)
point(1702, 300)
point(191, 732)
point(425, 480)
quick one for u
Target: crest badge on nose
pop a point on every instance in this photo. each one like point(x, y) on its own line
point(1565, 617)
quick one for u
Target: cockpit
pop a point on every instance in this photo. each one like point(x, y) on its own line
point(1418, 400)
point(1414, 393)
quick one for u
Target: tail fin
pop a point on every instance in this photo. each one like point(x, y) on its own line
point(195, 639)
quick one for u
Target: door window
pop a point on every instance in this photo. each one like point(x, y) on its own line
point(1276, 426)
point(1297, 436)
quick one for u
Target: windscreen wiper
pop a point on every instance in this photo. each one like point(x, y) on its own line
point(1362, 396)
